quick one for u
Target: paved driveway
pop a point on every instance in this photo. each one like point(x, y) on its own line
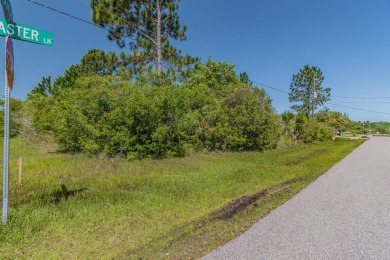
point(345, 214)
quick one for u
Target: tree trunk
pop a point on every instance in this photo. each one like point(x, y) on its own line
point(158, 34)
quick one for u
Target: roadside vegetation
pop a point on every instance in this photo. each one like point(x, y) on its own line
point(77, 206)
point(155, 102)
point(155, 154)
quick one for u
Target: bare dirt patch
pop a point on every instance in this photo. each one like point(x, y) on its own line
point(244, 204)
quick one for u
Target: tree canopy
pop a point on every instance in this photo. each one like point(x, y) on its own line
point(307, 92)
point(98, 62)
point(147, 26)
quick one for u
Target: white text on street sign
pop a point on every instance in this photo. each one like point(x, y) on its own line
point(26, 33)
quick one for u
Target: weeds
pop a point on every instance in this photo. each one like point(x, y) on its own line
point(75, 206)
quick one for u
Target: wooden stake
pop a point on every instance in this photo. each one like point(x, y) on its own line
point(20, 173)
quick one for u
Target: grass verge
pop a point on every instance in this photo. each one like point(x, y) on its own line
point(74, 206)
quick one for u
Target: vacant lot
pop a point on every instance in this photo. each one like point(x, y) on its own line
point(75, 206)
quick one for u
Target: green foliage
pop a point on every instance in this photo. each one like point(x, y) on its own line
point(150, 25)
point(358, 127)
point(251, 122)
point(215, 75)
point(299, 128)
point(15, 126)
point(336, 120)
point(288, 129)
point(380, 127)
point(89, 110)
point(307, 94)
point(117, 117)
point(97, 62)
point(44, 88)
point(82, 207)
point(67, 80)
point(244, 78)
point(355, 127)
point(307, 91)
point(315, 131)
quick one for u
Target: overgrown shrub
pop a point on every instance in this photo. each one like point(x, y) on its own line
point(315, 131)
point(299, 128)
point(15, 120)
point(116, 117)
point(210, 109)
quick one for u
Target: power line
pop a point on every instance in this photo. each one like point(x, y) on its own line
point(365, 110)
point(102, 27)
point(358, 102)
point(75, 17)
point(232, 28)
point(246, 37)
point(354, 108)
point(267, 86)
point(361, 97)
point(84, 2)
point(257, 83)
point(133, 25)
point(69, 15)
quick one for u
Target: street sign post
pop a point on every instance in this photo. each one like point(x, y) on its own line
point(26, 33)
point(7, 10)
point(6, 145)
point(10, 29)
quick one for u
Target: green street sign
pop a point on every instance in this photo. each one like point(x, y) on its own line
point(7, 10)
point(25, 33)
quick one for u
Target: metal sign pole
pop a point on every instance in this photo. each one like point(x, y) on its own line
point(23, 33)
point(6, 147)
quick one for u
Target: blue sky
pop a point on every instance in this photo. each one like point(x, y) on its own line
point(348, 40)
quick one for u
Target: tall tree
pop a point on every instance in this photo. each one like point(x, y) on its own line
point(97, 62)
point(67, 80)
point(307, 92)
point(44, 88)
point(148, 25)
point(244, 78)
point(213, 74)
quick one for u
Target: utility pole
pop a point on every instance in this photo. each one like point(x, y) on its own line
point(314, 95)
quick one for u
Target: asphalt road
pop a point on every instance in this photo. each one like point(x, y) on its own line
point(344, 214)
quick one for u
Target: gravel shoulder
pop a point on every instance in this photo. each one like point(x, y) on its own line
point(344, 214)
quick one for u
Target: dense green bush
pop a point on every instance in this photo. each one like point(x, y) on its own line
point(315, 131)
point(106, 114)
point(299, 128)
point(153, 115)
point(15, 125)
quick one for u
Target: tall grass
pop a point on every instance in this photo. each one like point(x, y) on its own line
point(75, 206)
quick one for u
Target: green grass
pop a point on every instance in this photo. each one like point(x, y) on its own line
point(80, 207)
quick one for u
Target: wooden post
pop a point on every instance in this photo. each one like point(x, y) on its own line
point(20, 173)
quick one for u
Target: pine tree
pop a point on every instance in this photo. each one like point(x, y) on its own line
point(97, 62)
point(307, 91)
point(244, 78)
point(147, 27)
